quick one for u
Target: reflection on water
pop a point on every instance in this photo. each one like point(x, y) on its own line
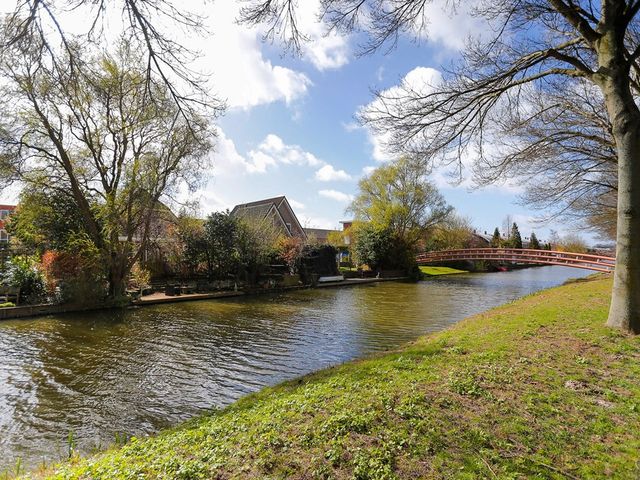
point(137, 371)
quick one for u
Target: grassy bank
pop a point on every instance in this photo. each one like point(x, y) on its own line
point(535, 389)
point(434, 271)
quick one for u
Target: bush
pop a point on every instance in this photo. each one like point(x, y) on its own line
point(75, 275)
point(22, 272)
point(7, 304)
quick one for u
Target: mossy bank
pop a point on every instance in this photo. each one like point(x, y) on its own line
point(538, 388)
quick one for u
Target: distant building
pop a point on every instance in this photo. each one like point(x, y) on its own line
point(5, 212)
point(319, 235)
point(277, 209)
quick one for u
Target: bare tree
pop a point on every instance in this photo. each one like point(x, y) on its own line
point(545, 45)
point(150, 26)
point(565, 157)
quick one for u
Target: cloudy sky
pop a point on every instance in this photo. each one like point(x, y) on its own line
point(289, 128)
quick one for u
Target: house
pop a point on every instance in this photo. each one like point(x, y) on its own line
point(277, 209)
point(5, 212)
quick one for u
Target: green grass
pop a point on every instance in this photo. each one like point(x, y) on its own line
point(432, 271)
point(538, 388)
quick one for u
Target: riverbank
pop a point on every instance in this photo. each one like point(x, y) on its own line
point(430, 271)
point(539, 387)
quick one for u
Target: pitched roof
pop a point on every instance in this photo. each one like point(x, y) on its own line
point(261, 208)
point(266, 202)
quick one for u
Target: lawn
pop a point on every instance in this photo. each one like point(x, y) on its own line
point(433, 271)
point(538, 388)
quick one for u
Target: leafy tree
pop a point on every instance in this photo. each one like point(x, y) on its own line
point(515, 239)
point(534, 243)
point(46, 218)
point(496, 240)
point(101, 140)
point(398, 197)
point(220, 232)
point(374, 247)
point(75, 272)
point(22, 272)
point(454, 233)
point(537, 45)
point(289, 250)
point(573, 243)
point(257, 245)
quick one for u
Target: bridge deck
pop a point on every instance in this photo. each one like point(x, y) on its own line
point(598, 263)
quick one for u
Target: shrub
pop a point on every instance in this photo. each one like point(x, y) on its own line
point(22, 272)
point(75, 274)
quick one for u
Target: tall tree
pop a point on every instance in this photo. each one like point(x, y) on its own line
point(515, 239)
point(543, 45)
point(496, 240)
point(220, 241)
point(399, 197)
point(105, 135)
point(534, 243)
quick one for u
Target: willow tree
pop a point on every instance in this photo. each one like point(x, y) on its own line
point(400, 198)
point(542, 45)
point(100, 131)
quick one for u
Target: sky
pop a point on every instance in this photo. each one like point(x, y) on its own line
point(289, 127)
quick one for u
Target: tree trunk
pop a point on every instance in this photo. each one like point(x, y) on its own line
point(625, 118)
point(117, 276)
point(625, 299)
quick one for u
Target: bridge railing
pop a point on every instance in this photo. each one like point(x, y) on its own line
point(588, 261)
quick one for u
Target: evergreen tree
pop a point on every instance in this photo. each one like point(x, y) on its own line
point(496, 241)
point(534, 243)
point(515, 239)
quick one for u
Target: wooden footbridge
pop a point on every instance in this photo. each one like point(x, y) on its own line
point(597, 263)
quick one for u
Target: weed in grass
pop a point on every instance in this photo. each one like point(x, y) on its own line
point(464, 382)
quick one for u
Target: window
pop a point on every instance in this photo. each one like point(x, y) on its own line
point(4, 214)
point(4, 236)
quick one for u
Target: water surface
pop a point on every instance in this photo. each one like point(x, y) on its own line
point(134, 372)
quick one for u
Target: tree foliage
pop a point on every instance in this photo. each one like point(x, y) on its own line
point(45, 218)
point(515, 239)
point(374, 247)
point(496, 240)
point(399, 198)
point(454, 233)
point(107, 137)
point(534, 243)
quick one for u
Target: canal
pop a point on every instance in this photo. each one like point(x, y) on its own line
point(96, 376)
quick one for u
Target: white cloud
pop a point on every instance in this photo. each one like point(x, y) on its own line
point(325, 49)
point(228, 162)
point(295, 204)
point(239, 72)
point(273, 150)
point(317, 222)
point(450, 25)
point(368, 170)
point(336, 195)
point(270, 153)
point(328, 174)
point(421, 80)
